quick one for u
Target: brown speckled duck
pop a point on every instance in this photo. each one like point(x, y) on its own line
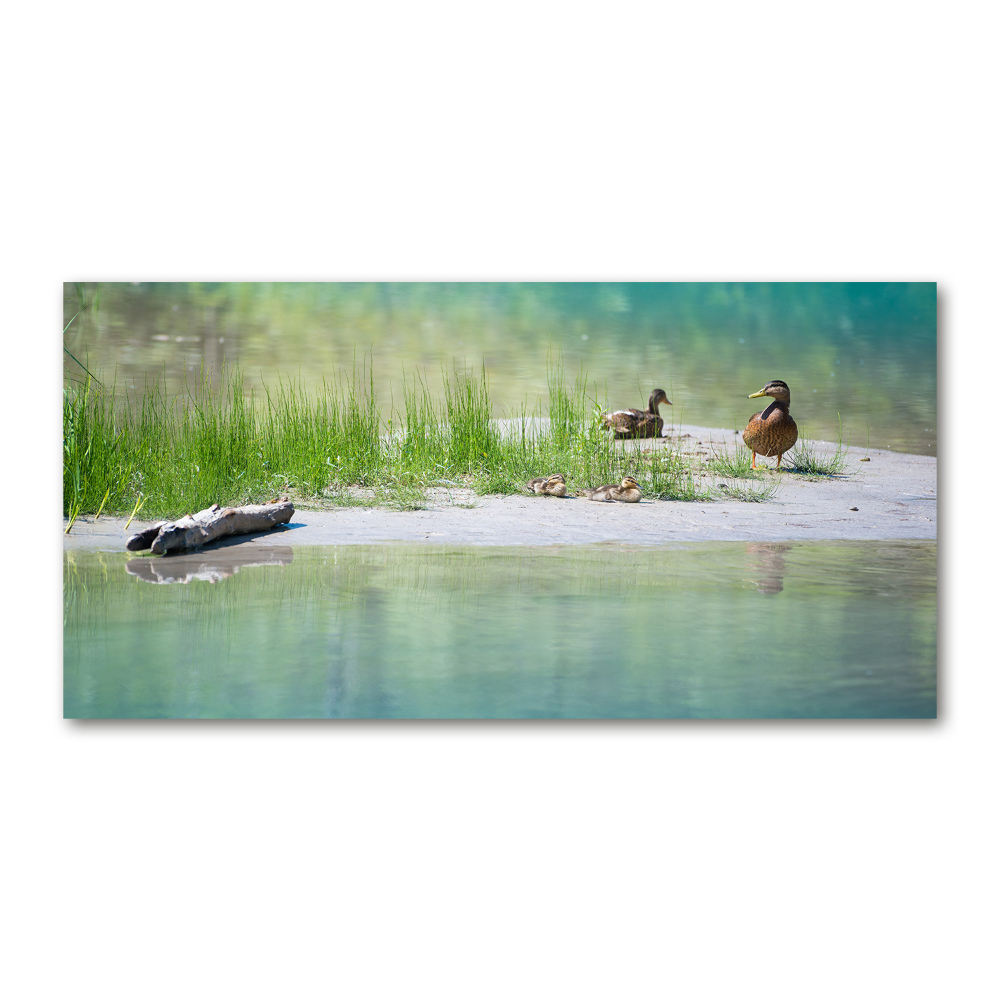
point(626, 492)
point(553, 486)
point(772, 431)
point(638, 423)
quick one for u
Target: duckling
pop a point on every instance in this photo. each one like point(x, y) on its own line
point(772, 431)
point(627, 492)
point(553, 486)
point(638, 423)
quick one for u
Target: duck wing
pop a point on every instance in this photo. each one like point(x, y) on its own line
point(597, 492)
point(633, 423)
point(629, 495)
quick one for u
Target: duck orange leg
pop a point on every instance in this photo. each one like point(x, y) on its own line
point(777, 464)
point(753, 464)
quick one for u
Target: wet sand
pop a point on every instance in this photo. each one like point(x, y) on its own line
point(895, 496)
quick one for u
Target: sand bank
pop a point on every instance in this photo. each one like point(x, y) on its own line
point(895, 496)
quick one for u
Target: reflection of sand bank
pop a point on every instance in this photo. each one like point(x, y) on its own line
point(212, 567)
point(765, 566)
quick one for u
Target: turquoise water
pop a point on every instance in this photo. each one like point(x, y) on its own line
point(714, 630)
point(864, 351)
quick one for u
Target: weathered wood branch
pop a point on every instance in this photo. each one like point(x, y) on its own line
point(207, 525)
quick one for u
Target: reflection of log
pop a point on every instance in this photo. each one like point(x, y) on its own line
point(214, 522)
point(218, 566)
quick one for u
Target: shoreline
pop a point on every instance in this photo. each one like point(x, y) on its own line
point(895, 493)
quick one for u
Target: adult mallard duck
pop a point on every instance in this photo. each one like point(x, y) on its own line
point(626, 492)
point(772, 431)
point(553, 486)
point(638, 423)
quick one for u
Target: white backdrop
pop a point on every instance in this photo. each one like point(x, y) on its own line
point(521, 141)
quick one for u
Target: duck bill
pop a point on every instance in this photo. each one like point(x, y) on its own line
point(754, 395)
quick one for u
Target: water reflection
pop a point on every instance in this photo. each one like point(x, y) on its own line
point(765, 566)
point(207, 567)
point(866, 351)
point(602, 631)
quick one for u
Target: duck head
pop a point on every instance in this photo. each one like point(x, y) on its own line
point(775, 388)
point(658, 396)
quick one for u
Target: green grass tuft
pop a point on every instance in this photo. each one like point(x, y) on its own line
point(738, 465)
point(734, 464)
point(807, 462)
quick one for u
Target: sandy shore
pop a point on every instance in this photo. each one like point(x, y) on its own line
point(895, 496)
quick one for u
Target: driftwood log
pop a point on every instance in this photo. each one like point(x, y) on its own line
point(194, 530)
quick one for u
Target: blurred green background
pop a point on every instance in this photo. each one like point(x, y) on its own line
point(866, 351)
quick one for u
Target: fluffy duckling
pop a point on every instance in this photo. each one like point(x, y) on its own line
point(772, 431)
point(638, 423)
point(553, 486)
point(627, 492)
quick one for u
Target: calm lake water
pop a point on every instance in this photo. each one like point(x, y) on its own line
point(713, 630)
point(865, 351)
